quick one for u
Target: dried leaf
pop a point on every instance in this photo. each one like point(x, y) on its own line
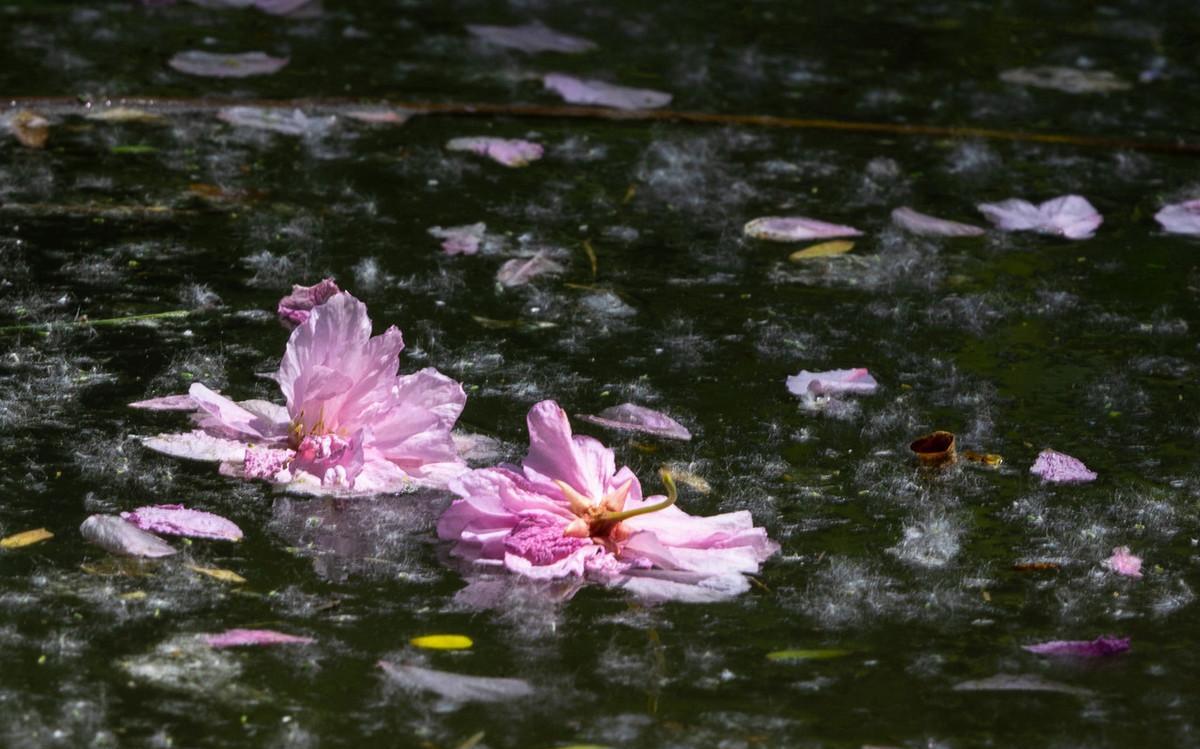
point(807, 655)
point(991, 460)
point(825, 249)
point(134, 149)
point(26, 538)
point(30, 128)
point(225, 576)
point(136, 595)
point(1036, 567)
point(443, 642)
point(125, 114)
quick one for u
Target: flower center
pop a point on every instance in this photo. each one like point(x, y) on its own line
point(600, 520)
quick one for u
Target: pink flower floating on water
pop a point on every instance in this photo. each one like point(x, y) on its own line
point(1058, 468)
point(1104, 645)
point(350, 424)
point(567, 511)
point(1124, 563)
point(1069, 216)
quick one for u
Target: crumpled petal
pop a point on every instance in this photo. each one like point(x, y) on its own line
point(520, 271)
point(212, 65)
point(460, 240)
point(1069, 216)
point(531, 37)
point(1057, 467)
point(930, 226)
point(591, 91)
point(277, 120)
point(836, 381)
point(634, 418)
point(507, 151)
point(1105, 645)
point(116, 536)
point(795, 229)
point(1180, 218)
point(236, 638)
point(177, 520)
point(1124, 563)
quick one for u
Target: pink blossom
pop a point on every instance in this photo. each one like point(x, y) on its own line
point(1124, 563)
point(1069, 216)
point(1180, 218)
point(293, 309)
point(460, 240)
point(350, 423)
point(567, 511)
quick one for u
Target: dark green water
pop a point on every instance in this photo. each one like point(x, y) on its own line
point(1014, 341)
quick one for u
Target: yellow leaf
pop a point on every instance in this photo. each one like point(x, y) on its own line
point(225, 576)
point(136, 595)
point(825, 249)
point(27, 538)
point(443, 642)
point(806, 655)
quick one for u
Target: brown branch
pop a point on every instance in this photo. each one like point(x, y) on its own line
point(173, 105)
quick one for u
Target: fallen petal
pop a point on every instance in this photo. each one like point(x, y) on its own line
point(125, 114)
point(531, 37)
point(460, 240)
point(506, 151)
point(634, 418)
point(197, 445)
point(930, 226)
point(836, 381)
point(1124, 563)
point(294, 122)
point(1069, 80)
point(591, 91)
point(1069, 216)
point(116, 536)
point(181, 402)
point(176, 520)
point(27, 538)
point(1104, 645)
point(1180, 218)
point(1057, 467)
point(456, 687)
point(212, 65)
point(1019, 683)
point(235, 638)
point(380, 116)
point(518, 271)
point(795, 229)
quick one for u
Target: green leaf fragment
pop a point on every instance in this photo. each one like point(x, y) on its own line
point(806, 655)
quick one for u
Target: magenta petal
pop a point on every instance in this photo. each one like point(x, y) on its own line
point(1180, 218)
point(1101, 646)
point(176, 520)
point(1057, 467)
point(531, 37)
point(634, 418)
point(835, 381)
point(591, 91)
point(208, 64)
point(235, 638)
point(1124, 563)
point(795, 229)
point(116, 536)
point(1069, 216)
point(295, 307)
point(509, 152)
point(460, 240)
point(457, 687)
point(929, 226)
point(520, 271)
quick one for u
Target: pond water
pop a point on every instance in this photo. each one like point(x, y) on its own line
point(1014, 341)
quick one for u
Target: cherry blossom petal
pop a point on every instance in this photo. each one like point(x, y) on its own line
point(1069, 216)
point(1180, 218)
point(531, 37)
point(836, 381)
point(213, 65)
point(460, 240)
point(116, 536)
point(506, 151)
point(634, 418)
point(176, 520)
point(795, 229)
point(1056, 467)
point(592, 91)
point(930, 226)
point(520, 271)
point(1124, 563)
point(457, 687)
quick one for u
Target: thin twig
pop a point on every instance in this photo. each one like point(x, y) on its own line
point(64, 105)
point(101, 323)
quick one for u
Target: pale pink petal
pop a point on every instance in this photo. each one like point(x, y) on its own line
point(380, 116)
point(1069, 216)
point(509, 152)
point(929, 226)
point(212, 65)
point(460, 240)
point(520, 271)
point(592, 91)
point(296, 306)
point(268, 464)
point(659, 585)
point(457, 687)
point(167, 403)
point(1180, 218)
point(795, 229)
point(531, 37)
point(228, 418)
point(116, 536)
point(176, 520)
point(277, 120)
point(554, 453)
point(236, 638)
point(1105, 645)
point(835, 381)
point(197, 445)
point(1124, 563)
point(634, 418)
point(1057, 467)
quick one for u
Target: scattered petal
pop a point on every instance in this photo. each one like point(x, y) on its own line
point(443, 642)
point(236, 638)
point(507, 151)
point(197, 445)
point(531, 37)
point(1180, 218)
point(176, 520)
point(125, 114)
point(212, 65)
point(295, 308)
point(634, 418)
point(460, 240)
point(380, 116)
point(1104, 645)
point(1124, 563)
point(28, 538)
point(1069, 80)
point(806, 655)
point(1057, 467)
point(456, 687)
point(30, 128)
point(930, 226)
point(225, 576)
point(834, 382)
point(1019, 683)
point(520, 271)
point(591, 91)
point(1069, 216)
point(795, 229)
point(825, 249)
point(277, 120)
point(114, 535)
